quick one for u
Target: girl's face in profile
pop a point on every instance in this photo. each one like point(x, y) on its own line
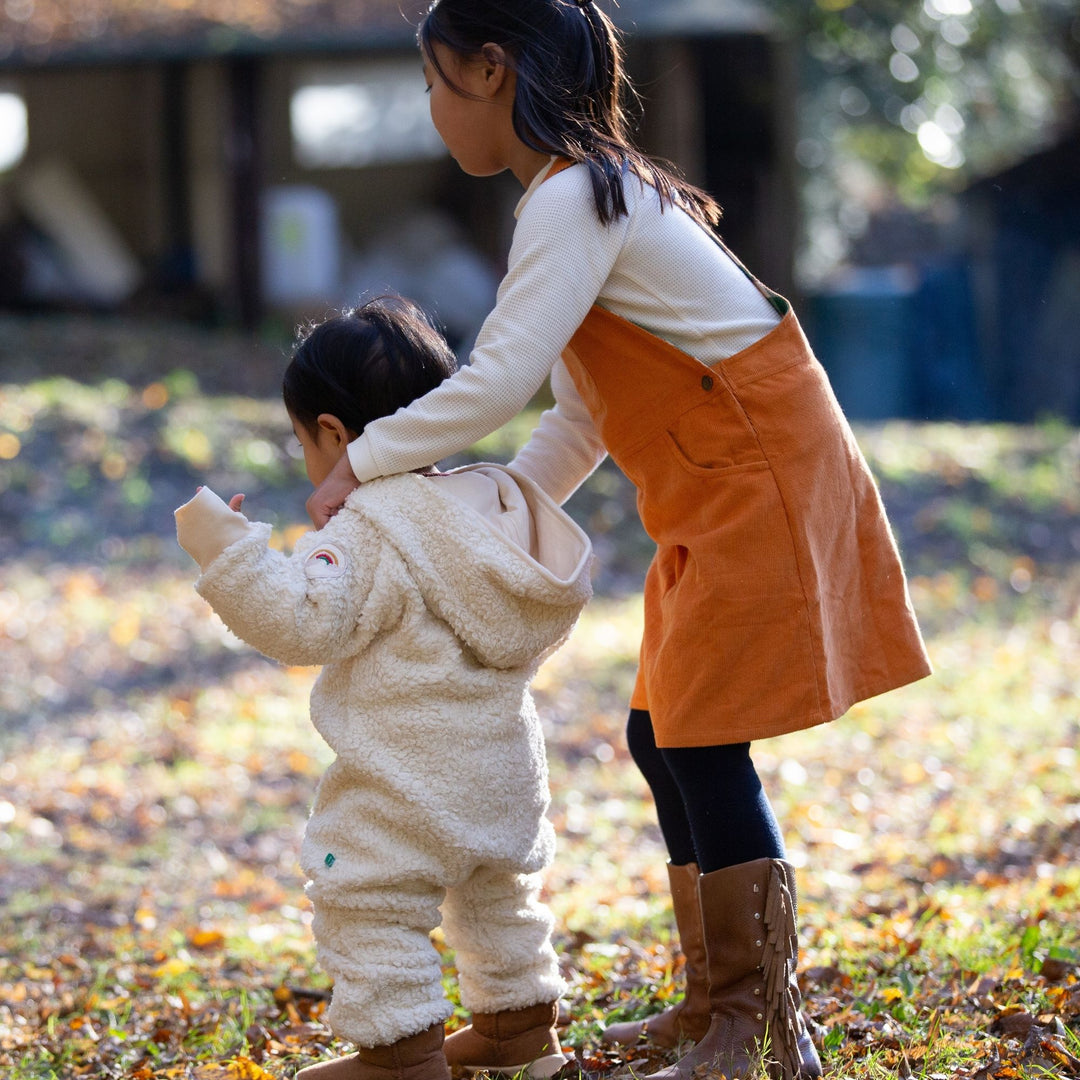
point(462, 114)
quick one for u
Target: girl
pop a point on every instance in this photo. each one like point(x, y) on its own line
point(430, 599)
point(776, 598)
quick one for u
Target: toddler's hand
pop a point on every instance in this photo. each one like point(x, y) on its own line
point(329, 497)
point(236, 502)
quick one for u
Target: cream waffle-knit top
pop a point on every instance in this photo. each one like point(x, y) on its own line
point(655, 267)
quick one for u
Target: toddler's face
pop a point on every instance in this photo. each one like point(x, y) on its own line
point(322, 448)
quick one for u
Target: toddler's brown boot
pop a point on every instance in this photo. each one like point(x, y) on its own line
point(509, 1042)
point(417, 1057)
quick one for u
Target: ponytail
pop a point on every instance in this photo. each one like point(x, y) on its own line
point(572, 90)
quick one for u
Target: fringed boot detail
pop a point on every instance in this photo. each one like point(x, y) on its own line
point(748, 915)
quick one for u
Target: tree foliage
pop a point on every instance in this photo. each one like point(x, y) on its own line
point(906, 100)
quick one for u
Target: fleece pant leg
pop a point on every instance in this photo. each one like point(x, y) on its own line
point(375, 942)
point(501, 933)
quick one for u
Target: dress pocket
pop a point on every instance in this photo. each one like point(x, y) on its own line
point(714, 436)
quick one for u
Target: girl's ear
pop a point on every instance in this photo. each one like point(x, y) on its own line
point(493, 69)
point(331, 428)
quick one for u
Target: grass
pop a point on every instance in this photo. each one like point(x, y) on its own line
point(155, 776)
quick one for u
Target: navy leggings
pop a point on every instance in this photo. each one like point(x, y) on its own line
point(709, 799)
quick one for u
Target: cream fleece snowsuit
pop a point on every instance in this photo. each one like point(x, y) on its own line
point(431, 601)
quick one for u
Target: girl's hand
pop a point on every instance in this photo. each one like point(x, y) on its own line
point(236, 502)
point(329, 497)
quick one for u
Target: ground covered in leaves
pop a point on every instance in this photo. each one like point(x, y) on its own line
point(155, 774)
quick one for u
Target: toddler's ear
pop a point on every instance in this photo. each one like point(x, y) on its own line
point(334, 428)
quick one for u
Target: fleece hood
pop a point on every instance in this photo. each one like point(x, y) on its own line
point(517, 594)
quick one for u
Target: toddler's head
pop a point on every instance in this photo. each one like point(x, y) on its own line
point(358, 366)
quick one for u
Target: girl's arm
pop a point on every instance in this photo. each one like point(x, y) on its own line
point(560, 259)
point(562, 452)
point(565, 447)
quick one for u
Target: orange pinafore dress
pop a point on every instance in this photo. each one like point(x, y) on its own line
point(776, 598)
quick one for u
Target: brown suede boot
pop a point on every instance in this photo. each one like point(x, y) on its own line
point(689, 1019)
point(748, 915)
point(509, 1042)
point(417, 1057)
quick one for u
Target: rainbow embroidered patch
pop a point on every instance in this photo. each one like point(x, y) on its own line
point(325, 561)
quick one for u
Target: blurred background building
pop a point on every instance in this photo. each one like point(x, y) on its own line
point(242, 163)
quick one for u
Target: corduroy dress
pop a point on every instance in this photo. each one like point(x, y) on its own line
point(776, 598)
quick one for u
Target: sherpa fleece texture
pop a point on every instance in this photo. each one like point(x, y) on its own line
point(431, 613)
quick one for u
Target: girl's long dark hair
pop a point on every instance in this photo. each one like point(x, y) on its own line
point(365, 363)
point(572, 90)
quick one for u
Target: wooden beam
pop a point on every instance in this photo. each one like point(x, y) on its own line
point(243, 162)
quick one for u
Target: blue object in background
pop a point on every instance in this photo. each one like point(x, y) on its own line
point(949, 378)
point(861, 331)
point(901, 343)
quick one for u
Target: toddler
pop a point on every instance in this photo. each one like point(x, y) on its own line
point(430, 599)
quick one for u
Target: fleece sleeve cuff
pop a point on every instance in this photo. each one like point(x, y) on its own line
point(205, 527)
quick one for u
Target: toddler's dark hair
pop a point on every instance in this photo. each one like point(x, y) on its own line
point(365, 363)
point(572, 90)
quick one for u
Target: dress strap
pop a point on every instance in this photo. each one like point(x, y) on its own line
point(781, 304)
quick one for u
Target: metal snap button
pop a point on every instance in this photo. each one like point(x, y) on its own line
point(707, 382)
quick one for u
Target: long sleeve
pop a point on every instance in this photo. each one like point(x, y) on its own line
point(558, 264)
point(205, 526)
point(655, 267)
point(311, 607)
point(565, 448)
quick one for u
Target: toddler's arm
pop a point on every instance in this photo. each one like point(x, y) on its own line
point(206, 526)
point(303, 609)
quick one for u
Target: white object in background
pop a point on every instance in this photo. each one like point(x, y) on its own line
point(301, 245)
point(97, 261)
